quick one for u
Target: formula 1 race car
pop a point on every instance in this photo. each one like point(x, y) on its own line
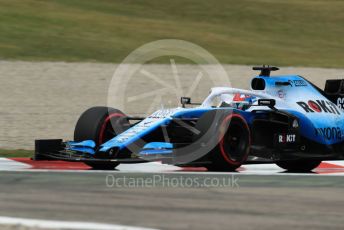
point(285, 120)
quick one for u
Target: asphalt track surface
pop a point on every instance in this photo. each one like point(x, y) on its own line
point(129, 197)
point(261, 202)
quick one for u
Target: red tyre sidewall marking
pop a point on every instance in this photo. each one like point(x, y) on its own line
point(107, 120)
point(222, 149)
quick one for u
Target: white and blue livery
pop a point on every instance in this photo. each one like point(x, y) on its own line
point(282, 119)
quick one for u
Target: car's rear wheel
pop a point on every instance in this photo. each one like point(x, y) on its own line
point(232, 143)
point(100, 124)
point(299, 165)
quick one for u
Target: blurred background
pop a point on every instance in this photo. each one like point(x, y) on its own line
point(283, 33)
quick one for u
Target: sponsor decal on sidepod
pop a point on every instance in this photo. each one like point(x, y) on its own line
point(330, 133)
point(319, 106)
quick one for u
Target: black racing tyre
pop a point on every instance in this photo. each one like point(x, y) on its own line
point(97, 124)
point(232, 139)
point(102, 165)
point(299, 165)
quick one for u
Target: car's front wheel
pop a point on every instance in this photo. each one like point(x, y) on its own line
point(100, 124)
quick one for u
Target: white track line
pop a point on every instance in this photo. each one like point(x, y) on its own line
point(11, 165)
point(50, 224)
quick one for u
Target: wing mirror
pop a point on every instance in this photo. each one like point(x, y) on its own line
point(185, 101)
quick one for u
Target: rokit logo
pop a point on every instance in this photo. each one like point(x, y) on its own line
point(319, 106)
point(286, 138)
point(333, 133)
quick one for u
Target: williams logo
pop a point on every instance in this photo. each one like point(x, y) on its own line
point(319, 106)
point(298, 83)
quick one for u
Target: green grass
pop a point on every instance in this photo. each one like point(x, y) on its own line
point(16, 153)
point(278, 32)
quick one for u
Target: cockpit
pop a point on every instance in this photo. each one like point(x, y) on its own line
point(237, 101)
